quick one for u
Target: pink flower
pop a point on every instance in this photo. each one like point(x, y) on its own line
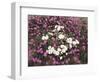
point(45, 53)
point(41, 51)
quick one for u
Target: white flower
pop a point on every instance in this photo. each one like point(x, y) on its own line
point(77, 41)
point(49, 51)
point(70, 46)
point(64, 47)
point(74, 42)
point(45, 37)
point(61, 57)
point(56, 52)
point(54, 30)
point(62, 27)
point(61, 36)
point(52, 49)
point(63, 51)
point(50, 33)
point(58, 28)
point(69, 40)
point(49, 47)
point(66, 53)
point(58, 49)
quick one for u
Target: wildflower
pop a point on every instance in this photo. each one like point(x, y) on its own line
point(62, 27)
point(58, 49)
point(69, 40)
point(77, 41)
point(58, 28)
point(61, 57)
point(45, 37)
point(74, 42)
point(56, 52)
point(52, 49)
point(49, 51)
point(63, 51)
point(66, 53)
point(61, 36)
point(50, 33)
point(70, 45)
point(54, 30)
point(49, 47)
point(64, 47)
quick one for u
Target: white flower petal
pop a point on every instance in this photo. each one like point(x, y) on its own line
point(70, 46)
point(56, 26)
point(46, 37)
point(43, 37)
point(77, 41)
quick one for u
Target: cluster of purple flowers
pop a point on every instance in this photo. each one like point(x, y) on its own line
point(57, 40)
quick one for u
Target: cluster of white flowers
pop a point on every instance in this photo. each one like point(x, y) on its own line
point(58, 27)
point(62, 49)
point(51, 50)
point(46, 37)
point(72, 42)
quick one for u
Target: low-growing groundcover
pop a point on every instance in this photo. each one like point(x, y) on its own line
point(57, 40)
